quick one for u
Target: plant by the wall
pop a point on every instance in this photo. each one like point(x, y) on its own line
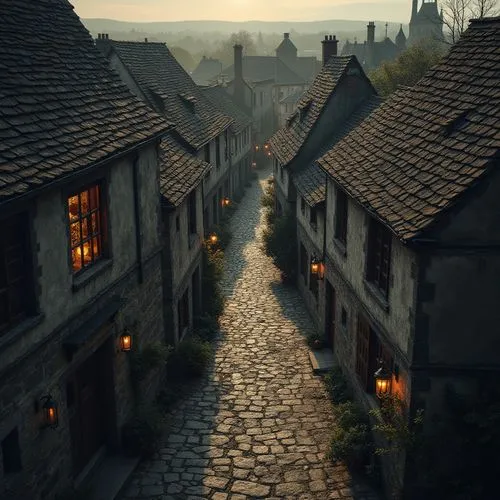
point(212, 269)
point(144, 360)
point(337, 385)
point(190, 359)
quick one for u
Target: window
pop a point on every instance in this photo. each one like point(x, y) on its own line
point(207, 152)
point(192, 229)
point(11, 453)
point(183, 312)
point(302, 206)
point(217, 151)
point(341, 216)
point(378, 256)
point(86, 224)
point(369, 350)
point(16, 282)
point(313, 217)
point(304, 263)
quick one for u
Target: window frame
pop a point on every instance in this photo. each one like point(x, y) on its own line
point(378, 257)
point(102, 221)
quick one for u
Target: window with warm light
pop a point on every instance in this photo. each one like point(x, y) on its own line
point(85, 214)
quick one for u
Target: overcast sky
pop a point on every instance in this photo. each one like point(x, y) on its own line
point(244, 10)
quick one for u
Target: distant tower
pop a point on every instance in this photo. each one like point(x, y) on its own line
point(286, 50)
point(401, 39)
point(414, 10)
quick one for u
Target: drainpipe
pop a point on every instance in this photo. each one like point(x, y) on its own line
point(137, 218)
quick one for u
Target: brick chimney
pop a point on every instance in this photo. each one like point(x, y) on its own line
point(286, 36)
point(370, 34)
point(329, 47)
point(239, 83)
point(102, 43)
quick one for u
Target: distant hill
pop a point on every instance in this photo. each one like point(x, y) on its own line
point(332, 26)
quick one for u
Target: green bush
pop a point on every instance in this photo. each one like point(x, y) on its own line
point(337, 386)
point(206, 327)
point(151, 356)
point(190, 359)
point(280, 243)
point(351, 445)
point(349, 414)
point(140, 435)
point(213, 267)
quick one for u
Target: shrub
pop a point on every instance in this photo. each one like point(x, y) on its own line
point(280, 243)
point(206, 327)
point(213, 266)
point(141, 433)
point(190, 359)
point(349, 414)
point(337, 386)
point(169, 395)
point(351, 445)
point(146, 359)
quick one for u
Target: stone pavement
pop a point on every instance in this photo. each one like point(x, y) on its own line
point(259, 425)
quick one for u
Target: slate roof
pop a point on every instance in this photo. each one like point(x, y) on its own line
point(287, 141)
point(61, 108)
point(219, 97)
point(207, 71)
point(264, 68)
point(172, 91)
point(414, 156)
point(180, 171)
point(311, 181)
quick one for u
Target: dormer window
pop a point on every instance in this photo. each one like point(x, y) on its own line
point(189, 102)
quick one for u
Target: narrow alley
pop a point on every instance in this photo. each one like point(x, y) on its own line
point(259, 425)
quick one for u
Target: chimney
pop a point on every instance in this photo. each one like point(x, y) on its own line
point(286, 36)
point(239, 83)
point(370, 37)
point(145, 40)
point(102, 43)
point(329, 47)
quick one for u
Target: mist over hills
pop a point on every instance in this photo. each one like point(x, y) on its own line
point(332, 26)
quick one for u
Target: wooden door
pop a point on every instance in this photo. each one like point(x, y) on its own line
point(89, 407)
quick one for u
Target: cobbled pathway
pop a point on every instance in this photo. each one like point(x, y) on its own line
point(259, 425)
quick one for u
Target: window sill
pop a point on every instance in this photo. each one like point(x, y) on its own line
point(377, 295)
point(20, 329)
point(91, 273)
point(340, 247)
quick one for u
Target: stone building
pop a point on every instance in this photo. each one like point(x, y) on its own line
point(240, 137)
point(80, 253)
point(412, 217)
point(195, 167)
point(338, 99)
point(426, 23)
point(288, 106)
point(208, 71)
point(371, 53)
point(272, 79)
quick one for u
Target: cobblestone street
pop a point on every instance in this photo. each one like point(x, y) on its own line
point(259, 424)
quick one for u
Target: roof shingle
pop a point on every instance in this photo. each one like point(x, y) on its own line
point(172, 91)
point(61, 108)
point(286, 142)
point(422, 148)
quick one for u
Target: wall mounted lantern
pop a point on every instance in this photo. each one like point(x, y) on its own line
point(126, 341)
point(50, 412)
point(317, 268)
point(254, 164)
point(225, 202)
point(383, 379)
point(256, 147)
point(213, 239)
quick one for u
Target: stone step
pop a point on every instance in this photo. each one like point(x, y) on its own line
point(322, 360)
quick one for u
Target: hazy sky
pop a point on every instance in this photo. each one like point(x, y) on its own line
point(244, 10)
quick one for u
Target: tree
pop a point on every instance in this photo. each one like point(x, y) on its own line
point(184, 58)
point(458, 13)
point(409, 67)
point(225, 52)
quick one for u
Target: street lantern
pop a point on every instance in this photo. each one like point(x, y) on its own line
point(256, 147)
point(213, 239)
point(317, 268)
point(50, 412)
point(225, 202)
point(126, 341)
point(383, 379)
